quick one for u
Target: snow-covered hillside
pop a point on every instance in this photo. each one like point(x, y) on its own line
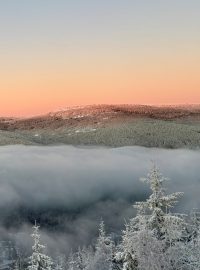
point(108, 125)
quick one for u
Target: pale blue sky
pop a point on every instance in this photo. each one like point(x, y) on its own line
point(50, 22)
point(85, 51)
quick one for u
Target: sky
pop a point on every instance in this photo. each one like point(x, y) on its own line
point(59, 53)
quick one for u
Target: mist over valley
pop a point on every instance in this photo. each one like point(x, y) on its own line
point(68, 189)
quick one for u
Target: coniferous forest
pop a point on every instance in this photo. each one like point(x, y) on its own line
point(155, 239)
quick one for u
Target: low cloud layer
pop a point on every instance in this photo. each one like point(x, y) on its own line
point(89, 183)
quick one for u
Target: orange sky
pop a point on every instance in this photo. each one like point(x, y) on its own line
point(41, 86)
point(115, 61)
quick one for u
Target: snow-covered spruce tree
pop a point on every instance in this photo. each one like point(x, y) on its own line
point(192, 254)
point(103, 257)
point(149, 236)
point(38, 260)
point(81, 260)
point(158, 206)
point(140, 249)
point(60, 263)
point(87, 256)
point(71, 262)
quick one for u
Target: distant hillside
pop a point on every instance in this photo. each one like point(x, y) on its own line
point(108, 125)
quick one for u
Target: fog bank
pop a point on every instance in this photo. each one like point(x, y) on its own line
point(74, 187)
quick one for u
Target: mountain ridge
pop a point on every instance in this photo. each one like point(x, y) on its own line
point(169, 126)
